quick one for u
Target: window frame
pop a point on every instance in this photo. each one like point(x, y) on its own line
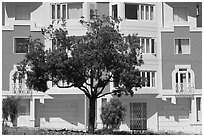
point(151, 78)
point(150, 39)
point(14, 44)
point(151, 15)
point(66, 4)
point(176, 70)
point(181, 46)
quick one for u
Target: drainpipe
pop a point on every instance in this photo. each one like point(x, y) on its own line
point(162, 14)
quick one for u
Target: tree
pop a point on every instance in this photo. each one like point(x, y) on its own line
point(10, 108)
point(89, 63)
point(112, 114)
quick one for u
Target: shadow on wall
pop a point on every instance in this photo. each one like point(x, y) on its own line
point(179, 111)
point(64, 111)
point(10, 7)
point(194, 9)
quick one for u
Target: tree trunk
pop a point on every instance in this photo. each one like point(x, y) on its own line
point(92, 113)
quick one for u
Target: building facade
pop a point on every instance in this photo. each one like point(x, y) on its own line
point(171, 38)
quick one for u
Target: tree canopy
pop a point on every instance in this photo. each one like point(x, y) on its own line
point(89, 62)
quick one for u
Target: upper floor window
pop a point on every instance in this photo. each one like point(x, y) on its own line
point(182, 46)
point(139, 11)
point(92, 11)
point(22, 12)
point(21, 45)
point(18, 81)
point(147, 45)
point(67, 11)
point(180, 14)
point(183, 79)
point(150, 78)
point(114, 11)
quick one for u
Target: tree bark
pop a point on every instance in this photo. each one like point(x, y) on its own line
point(92, 114)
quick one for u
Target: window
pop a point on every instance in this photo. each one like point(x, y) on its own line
point(67, 11)
point(131, 11)
point(198, 109)
point(147, 45)
point(142, 12)
point(18, 81)
point(21, 45)
point(149, 77)
point(180, 14)
point(151, 12)
point(92, 11)
point(64, 11)
point(103, 101)
point(58, 11)
point(22, 12)
point(114, 11)
point(53, 11)
point(139, 12)
point(74, 10)
point(182, 46)
point(147, 12)
point(183, 79)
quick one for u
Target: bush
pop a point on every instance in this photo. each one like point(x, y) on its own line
point(113, 114)
point(10, 108)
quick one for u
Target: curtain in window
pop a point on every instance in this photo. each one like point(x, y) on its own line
point(53, 11)
point(185, 45)
point(147, 12)
point(142, 12)
point(151, 12)
point(143, 45)
point(74, 11)
point(147, 46)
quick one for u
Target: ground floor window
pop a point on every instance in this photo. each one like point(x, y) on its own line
point(198, 109)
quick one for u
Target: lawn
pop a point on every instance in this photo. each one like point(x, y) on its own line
point(40, 131)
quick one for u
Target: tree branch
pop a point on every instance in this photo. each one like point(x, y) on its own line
point(106, 94)
point(85, 90)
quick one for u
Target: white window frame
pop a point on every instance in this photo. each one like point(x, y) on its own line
point(140, 10)
point(176, 70)
point(14, 70)
point(155, 74)
point(14, 42)
point(150, 45)
point(181, 39)
point(61, 11)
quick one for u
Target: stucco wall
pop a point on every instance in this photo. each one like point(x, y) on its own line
point(169, 59)
point(63, 111)
point(152, 115)
point(8, 57)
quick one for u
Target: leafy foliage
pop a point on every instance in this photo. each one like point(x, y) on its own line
point(10, 108)
point(89, 62)
point(112, 114)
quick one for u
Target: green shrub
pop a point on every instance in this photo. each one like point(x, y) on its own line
point(10, 108)
point(113, 114)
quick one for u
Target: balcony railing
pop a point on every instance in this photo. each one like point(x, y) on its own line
point(184, 88)
point(21, 89)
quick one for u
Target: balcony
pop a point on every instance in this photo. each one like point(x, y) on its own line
point(20, 89)
point(184, 88)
